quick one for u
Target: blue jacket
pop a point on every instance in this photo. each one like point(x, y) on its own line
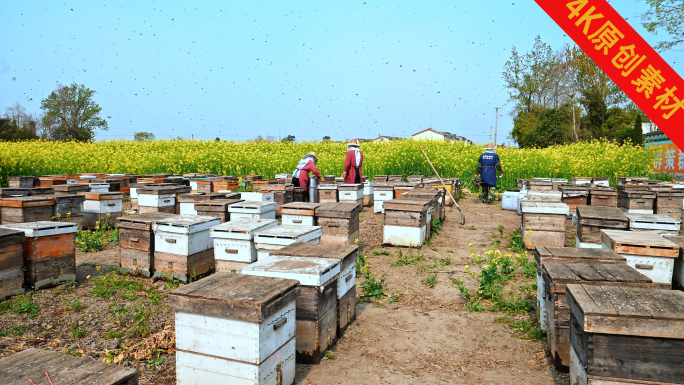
point(488, 166)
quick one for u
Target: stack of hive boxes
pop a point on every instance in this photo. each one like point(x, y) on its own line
point(275, 238)
point(300, 213)
point(234, 242)
point(252, 210)
point(636, 199)
point(11, 262)
point(654, 223)
point(339, 222)
point(101, 207)
point(382, 193)
point(590, 221)
point(327, 193)
point(602, 196)
point(136, 241)
point(543, 223)
point(157, 200)
point(406, 222)
point(350, 193)
point(669, 202)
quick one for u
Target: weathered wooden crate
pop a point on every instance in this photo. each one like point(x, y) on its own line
point(39, 191)
point(650, 254)
point(71, 188)
point(636, 201)
point(406, 221)
point(557, 276)
point(136, 241)
point(183, 247)
point(252, 210)
point(276, 238)
point(317, 305)
point(13, 192)
point(346, 284)
point(395, 178)
point(258, 196)
point(236, 329)
point(437, 203)
point(678, 270)
point(574, 196)
point(99, 187)
point(601, 181)
point(625, 335)
point(339, 222)
point(368, 194)
point(658, 187)
point(543, 223)
point(204, 185)
point(102, 207)
point(568, 255)
point(217, 208)
point(20, 181)
point(234, 241)
point(68, 205)
point(299, 195)
point(63, 369)
point(26, 209)
point(541, 185)
point(300, 213)
point(591, 219)
point(187, 201)
point(602, 196)
point(380, 178)
point(49, 252)
point(11, 262)
point(669, 203)
point(415, 178)
point(327, 193)
point(579, 180)
point(631, 180)
point(655, 223)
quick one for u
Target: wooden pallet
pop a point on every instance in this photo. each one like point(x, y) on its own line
point(639, 243)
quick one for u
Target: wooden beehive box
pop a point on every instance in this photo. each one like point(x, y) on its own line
point(670, 203)
point(157, 199)
point(382, 192)
point(543, 223)
point(339, 222)
point(380, 178)
point(602, 196)
point(102, 207)
point(20, 181)
point(540, 185)
point(327, 193)
point(346, 284)
point(63, 369)
point(636, 201)
point(49, 252)
point(300, 213)
point(236, 329)
point(678, 271)
point(368, 194)
point(217, 208)
point(234, 243)
point(415, 178)
point(350, 193)
point(655, 223)
point(276, 238)
point(650, 254)
point(183, 247)
point(580, 180)
point(26, 209)
point(300, 195)
point(406, 221)
point(39, 191)
point(557, 276)
point(437, 203)
point(401, 188)
point(68, 207)
point(205, 185)
point(71, 188)
point(631, 180)
point(11, 262)
point(568, 255)
point(317, 305)
point(574, 196)
point(601, 181)
point(591, 219)
point(258, 196)
point(13, 192)
point(625, 335)
point(282, 193)
point(187, 201)
point(252, 210)
point(395, 178)
point(136, 241)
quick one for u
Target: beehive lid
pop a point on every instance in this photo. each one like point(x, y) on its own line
point(141, 221)
point(71, 188)
point(43, 228)
point(235, 296)
point(638, 194)
point(65, 196)
point(276, 187)
point(338, 210)
point(350, 187)
point(15, 191)
point(629, 311)
point(242, 226)
point(252, 206)
point(11, 236)
point(544, 208)
point(561, 274)
point(346, 253)
point(644, 220)
point(599, 190)
point(670, 194)
point(26, 202)
point(220, 205)
point(157, 190)
point(574, 189)
point(639, 243)
point(405, 185)
point(62, 368)
point(384, 187)
point(407, 204)
point(572, 254)
point(185, 224)
point(300, 208)
point(41, 191)
point(308, 271)
point(199, 197)
point(101, 196)
point(287, 233)
point(600, 212)
point(327, 186)
point(182, 189)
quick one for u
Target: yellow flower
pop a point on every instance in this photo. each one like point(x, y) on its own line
point(87, 276)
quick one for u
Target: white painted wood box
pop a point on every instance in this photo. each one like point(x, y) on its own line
point(99, 187)
point(184, 234)
point(383, 192)
point(280, 236)
point(650, 254)
point(350, 192)
point(252, 210)
point(257, 196)
point(103, 203)
point(656, 223)
point(299, 213)
point(236, 329)
point(327, 193)
point(234, 240)
point(406, 222)
point(317, 305)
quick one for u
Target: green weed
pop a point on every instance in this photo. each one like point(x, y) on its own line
point(76, 332)
point(430, 281)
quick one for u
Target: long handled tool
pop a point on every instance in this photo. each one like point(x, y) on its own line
point(442, 182)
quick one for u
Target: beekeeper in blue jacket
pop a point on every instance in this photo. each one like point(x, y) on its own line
point(489, 165)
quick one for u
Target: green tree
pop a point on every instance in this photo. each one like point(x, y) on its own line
point(528, 76)
point(619, 125)
point(552, 128)
point(11, 131)
point(666, 17)
point(326, 138)
point(143, 136)
point(524, 128)
point(289, 138)
point(72, 113)
point(596, 112)
point(638, 131)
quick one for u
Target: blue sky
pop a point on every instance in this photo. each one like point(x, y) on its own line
point(236, 70)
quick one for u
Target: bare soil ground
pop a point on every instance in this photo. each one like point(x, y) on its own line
point(422, 335)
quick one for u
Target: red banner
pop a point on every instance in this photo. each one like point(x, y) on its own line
point(626, 58)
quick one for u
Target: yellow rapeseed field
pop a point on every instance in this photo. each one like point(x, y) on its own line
point(452, 159)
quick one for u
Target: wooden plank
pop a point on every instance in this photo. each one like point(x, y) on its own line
point(585, 272)
point(624, 304)
point(11, 236)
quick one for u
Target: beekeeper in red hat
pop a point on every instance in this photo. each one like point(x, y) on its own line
point(353, 163)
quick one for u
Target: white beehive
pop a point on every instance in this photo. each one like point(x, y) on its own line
point(299, 213)
point(99, 187)
point(256, 196)
point(280, 236)
point(184, 234)
point(234, 240)
point(236, 329)
point(253, 210)
point(157, 197)
point(350, 192)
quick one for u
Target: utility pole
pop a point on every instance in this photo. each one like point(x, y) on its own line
point(496, 125)
point(491, 131)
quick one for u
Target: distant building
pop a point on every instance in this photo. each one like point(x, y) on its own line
point(648, 126)
point(431, 134)
point(383, 138)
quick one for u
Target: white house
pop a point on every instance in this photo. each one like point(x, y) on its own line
point(647, 125)
point(383, 138)
point(429, 134)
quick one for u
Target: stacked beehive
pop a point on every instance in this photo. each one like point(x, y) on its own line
point(234, 242)
point(300, 213)
point(327, 193)
point(11, 262)
point(339, 222)
point(406, 222)
point(269, 240)
point(183, 247)
point(543, 223)
point(636, 199)
point(437, 208)
point(136, 241)
point(382, 193)
point(669, 202)
point(26, 209)
point(574, 196)
point(350, 193)
point(217, 208)
point(653, 223)
point(368, 193)
point(316, 307)
point(602, 196)
point(99, 208)
point(189, 200)
point(157, 199)
point(590, 221)
point(252, 210)
point(236, 329)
